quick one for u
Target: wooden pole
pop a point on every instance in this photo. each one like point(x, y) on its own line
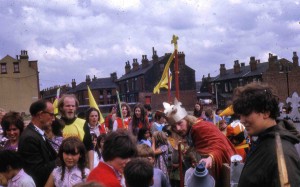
point(169, 88)
point(283, 175)
point(180, 165)
point(176, 67)
point(120, 108)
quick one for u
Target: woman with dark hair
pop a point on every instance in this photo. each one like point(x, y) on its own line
point(98, 147)
point(110, 118)
point(144, 136)
point(118, 124)
point(13, 125)
point(92, 121)
point(139, 120)
point(54, 133)
point(198, 109)
point(72, 154)
point(119, 146)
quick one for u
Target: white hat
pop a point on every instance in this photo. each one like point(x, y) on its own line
point(175, 112)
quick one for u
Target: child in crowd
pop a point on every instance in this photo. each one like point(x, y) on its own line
point(73, 170)
point(159, 177)
point(138, 173)
point(143, 136)
point(98, 146)
point(11, 169)
point(160, 147)
point(159, 123)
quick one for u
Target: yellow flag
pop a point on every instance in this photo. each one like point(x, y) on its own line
point(227, 111)
point(55, 103)
point(163, 83)
point(93, 104)
point(55, 106)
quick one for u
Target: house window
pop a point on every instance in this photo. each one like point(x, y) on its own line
point(3, 68)
point(16, 67)
point(127, 85)
point(212, 88)
point(142, 83)
point(230, 87)
point(133, 84)
point(100, 94)
point(226, 86)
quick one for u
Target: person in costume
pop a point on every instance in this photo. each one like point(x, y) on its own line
point(235, 132)
point(74, 126)
point(205, 137)
point(257, 106)
point(118, 124)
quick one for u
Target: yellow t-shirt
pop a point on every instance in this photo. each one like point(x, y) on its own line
point(74, 129)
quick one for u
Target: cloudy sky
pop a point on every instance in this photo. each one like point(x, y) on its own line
point(74, 38)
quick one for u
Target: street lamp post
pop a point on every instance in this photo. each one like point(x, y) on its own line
point(286, 70)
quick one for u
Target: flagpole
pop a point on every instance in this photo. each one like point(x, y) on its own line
point(169, 90)
point(174, 41)
point(120, 108)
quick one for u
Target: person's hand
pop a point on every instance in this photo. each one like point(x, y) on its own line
point(208, 162)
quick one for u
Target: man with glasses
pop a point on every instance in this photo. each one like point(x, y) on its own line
point(38, 155)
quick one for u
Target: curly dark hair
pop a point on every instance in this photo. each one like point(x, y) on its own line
point(12, 118)
point(255, 97)
point(73, 145)
point(89, 111)
point(143, 119)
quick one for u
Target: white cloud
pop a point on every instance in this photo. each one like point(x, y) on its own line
point(97, 37)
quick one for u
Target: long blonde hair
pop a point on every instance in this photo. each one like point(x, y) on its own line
point(160, 138)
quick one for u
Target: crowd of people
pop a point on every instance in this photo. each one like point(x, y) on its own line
point(141, 148)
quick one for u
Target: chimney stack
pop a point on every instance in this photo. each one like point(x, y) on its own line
point(295, 59)
point(145, 61)
point(24, 54)
point(236, 66)
point(154, 55)
point(222, 69)
point(135, 65)
point(113, 76)
point(88, 80)
point(127, 67)
point(73, 83)
point(253, 63)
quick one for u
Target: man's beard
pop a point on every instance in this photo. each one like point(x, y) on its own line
point(69, 115)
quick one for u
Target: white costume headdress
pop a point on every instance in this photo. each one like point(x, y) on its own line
point(175, 112)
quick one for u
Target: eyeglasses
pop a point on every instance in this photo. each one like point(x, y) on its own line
point(50, 113)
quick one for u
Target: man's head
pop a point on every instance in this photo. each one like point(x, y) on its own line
point(67, 106)
point(178, 117)
point(139, 173)
point(257, 107)
point(42, 113)
point(119, 146)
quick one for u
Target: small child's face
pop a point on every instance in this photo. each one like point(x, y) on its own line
point(147, 134)
point(70, 159)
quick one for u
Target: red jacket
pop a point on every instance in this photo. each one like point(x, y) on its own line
point(105, 175)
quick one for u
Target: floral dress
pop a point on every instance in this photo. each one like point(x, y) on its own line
point(161, 160)
point(72, 176)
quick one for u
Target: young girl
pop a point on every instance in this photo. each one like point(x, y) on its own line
point(143, 136)
point(160, 147)
point(72, 171)
point(98, 145)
